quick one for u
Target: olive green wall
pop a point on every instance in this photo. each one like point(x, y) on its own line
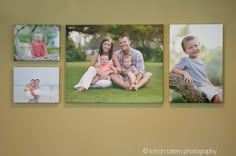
point(114, 129)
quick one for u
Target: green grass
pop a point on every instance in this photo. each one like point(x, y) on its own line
point(53, 50)
point(151, 93)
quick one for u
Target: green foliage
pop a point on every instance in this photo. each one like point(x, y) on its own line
point(215, 67)
point(184, 31)
point(52, 50)
point(151, 55)
point(14, 50)
point(73, 53)
point(178, 99)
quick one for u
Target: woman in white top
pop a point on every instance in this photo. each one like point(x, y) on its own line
point(106, 48)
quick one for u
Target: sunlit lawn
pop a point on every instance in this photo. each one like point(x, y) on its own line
point(151, 93)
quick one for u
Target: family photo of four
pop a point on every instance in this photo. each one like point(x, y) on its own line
point(116, 63)
point(129, 63)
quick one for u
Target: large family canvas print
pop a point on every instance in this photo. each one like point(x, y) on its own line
point(36, 42)
point(196, 63)
point(36, 85)
point(114, 64)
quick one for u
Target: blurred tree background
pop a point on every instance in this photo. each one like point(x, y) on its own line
point(212, 57)
point(82, 41)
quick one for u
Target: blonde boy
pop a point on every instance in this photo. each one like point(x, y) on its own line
point(194, 70)
point(132, 75)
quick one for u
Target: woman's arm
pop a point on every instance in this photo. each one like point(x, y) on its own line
point(94, 59)
point(116, 63)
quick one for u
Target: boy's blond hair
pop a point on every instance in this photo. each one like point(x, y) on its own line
point(126, 57)
point(186, 39)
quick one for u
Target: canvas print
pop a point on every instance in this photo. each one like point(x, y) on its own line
point(36, 42)
point(196, 63)
point(36, 85)
point(114, 64)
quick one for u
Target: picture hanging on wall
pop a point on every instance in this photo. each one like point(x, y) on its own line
point(114, 64)
point(196, 63)
point(36, 42)
point(36, 85)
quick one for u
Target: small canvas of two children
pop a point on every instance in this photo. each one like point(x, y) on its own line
point(194, 70)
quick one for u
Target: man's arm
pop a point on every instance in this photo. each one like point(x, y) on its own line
point(140, 63)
